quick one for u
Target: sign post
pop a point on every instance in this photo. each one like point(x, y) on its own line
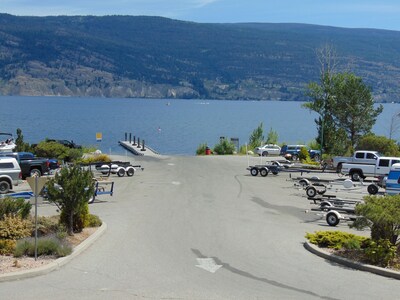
point(36, 183)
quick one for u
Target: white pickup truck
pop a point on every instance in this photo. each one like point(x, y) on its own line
point(359, 157)
point(381, 167)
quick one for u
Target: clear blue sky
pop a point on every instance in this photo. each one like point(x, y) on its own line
point(384, 14)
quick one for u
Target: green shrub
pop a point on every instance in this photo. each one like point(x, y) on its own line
point(201, 149)
point(224, 147)
point(14, 227)
point(243, 149)
point(45, 246)
point(334, 239)
point(381, 252)
point(94, 221)
point(95, 158)
point(15, 207)
point(56, 150)
point(48, 225)
point(7, 247)
point(304, 155)
point(80, 218)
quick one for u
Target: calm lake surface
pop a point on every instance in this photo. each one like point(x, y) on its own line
point(168, 126)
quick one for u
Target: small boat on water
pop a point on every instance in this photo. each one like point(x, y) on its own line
point(6, 142)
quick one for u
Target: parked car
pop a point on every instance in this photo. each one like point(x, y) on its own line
point(66, 143)
point(268, 149)
point(361, 156)
point(10, 174)
point(294, 151)
point(29, 163)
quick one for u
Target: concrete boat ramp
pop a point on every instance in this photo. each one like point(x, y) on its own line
point(138, 149)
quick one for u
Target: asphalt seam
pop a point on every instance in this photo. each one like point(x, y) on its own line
point(58, 263)
point(351, 264)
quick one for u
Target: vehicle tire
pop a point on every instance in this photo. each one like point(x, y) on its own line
point(311, 191)
point(4, 187)
point(264, 172)
point(339, 168)
point(304, 183)
point(275, 172)
point(332, 219)
point(121, 173)
point(316, 157)
point(130, 172)
point(91, 199)
point(295, 157)
point(35, 172)
point(355, 176)
point(265, 153)
point(254, 171)
point(372, 189)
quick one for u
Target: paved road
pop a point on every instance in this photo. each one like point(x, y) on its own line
point(206, 211)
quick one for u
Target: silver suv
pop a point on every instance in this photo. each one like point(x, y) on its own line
point(10, 174)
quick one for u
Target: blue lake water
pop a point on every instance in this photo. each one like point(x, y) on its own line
point(168, 126)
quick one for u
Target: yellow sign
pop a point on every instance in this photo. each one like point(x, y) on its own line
point(99, 136)
point(36, 183)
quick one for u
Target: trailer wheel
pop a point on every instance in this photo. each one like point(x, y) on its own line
point(332, 219)
point(295, 157)
point(275, 172)
point(372, 189)
point(304, 182)
point(254, 171)
point(121, 173)
point(264, 172)
point(311, 191)
point(130, 172)
point(4, 187)
point(91, 199)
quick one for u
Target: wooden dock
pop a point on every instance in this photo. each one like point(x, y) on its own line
point(138, 149)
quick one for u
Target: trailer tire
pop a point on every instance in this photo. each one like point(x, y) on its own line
point(304, 182)
point(332, 219)
point(372, 189)
point(130, 172)
point(4, 187)
point(264, 172)
point(275, 172)
point(91, 199)
point(295, 157)
point(253, 171)
point(121, 172)
point(311, 191)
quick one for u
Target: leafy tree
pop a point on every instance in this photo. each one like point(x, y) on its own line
point(381, 214)
point(70, 191)
point(272, 137)
point(378, 143)
point(56, 150)
point(21, 145)
point(346, 110)
point(257, 137)
point(353, 108)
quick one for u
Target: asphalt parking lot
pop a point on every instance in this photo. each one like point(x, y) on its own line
point(204, 228)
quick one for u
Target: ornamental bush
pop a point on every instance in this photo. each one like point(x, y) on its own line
point(14, 227)
point(335, 239)
point(224, 147)
point(201, 149)
point(15, 207)
point(45, 246)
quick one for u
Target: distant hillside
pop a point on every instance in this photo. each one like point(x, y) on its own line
point(154, 57)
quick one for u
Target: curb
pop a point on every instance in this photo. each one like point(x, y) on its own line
point(58, 263)
point(349, 263)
